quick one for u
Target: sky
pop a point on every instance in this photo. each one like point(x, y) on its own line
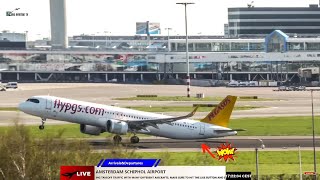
point(119, 17)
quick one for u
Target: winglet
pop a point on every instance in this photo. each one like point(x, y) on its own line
point(193, 112)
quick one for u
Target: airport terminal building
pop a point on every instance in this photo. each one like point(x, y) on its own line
point(278, 55)
point(260, 21)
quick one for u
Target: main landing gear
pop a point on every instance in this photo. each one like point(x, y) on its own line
point(134, 139)
point(117, 139)
point(43, 120)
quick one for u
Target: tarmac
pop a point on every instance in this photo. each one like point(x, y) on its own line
point(283, 103)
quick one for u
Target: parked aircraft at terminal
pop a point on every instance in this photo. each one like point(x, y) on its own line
point(95, 119)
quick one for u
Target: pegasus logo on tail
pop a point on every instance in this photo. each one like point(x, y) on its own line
point(221, 114)
point(220, 107)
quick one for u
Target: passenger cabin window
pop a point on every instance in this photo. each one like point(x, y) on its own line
point(33, 100)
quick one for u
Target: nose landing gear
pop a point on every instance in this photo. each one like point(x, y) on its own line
point(43, 120)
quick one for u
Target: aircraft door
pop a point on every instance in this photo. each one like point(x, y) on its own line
point(49, 111)
point(48, 104)
point(119, 115)
point(202, 129)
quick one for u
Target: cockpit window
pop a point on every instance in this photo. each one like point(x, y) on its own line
point(33, 100)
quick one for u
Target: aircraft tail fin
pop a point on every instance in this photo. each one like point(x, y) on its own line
point(220, 115)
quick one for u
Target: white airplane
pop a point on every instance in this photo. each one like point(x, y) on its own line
point(95, 119)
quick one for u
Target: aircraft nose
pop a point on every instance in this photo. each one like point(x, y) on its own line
point(22, 106)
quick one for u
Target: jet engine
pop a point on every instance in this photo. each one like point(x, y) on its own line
point(92, 130)
point(117, 127)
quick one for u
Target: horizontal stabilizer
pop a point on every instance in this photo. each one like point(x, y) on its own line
point(228, 130)
point(239, 130)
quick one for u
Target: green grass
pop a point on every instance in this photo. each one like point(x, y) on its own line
point(9, 109)
point(184, 98)
point(272, 162)
point(67, 131)
point(269, 126)
point(182, 108)
point(276, 126)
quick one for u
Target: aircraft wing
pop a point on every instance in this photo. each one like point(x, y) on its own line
point(142, 124)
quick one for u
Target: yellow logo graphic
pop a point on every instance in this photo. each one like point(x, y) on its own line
point(226, 152)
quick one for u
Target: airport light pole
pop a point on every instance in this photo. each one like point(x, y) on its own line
point(300, 166)
point(313, 139)
point(187, 45)
point(14, 35)
point(39, 36)
point(97, 44)
point(107, 32)
point(257, 157)
point(26, 37)
point(168, 29)
point(93, 39)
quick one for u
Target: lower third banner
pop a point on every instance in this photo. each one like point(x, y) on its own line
point(161, 172)
point(140, 169)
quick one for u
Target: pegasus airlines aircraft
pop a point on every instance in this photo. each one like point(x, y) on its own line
point(95, 119)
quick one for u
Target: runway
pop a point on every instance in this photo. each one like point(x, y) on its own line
point(162, 144)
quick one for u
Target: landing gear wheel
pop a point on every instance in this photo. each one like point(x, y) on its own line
point(134, 139)
point(41, 127)
point(117, 139)
point(43, 120)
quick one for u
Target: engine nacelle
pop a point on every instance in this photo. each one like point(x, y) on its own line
point(117, 127)
point(92, 130)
